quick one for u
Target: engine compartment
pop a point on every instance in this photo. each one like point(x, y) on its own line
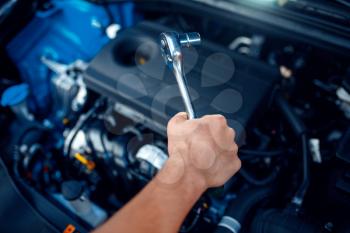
point(148, 87)
point(87, 97)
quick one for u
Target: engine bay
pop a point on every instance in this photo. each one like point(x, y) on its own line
point(86, 98)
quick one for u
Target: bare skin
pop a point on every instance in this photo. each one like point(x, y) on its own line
point(202, 155)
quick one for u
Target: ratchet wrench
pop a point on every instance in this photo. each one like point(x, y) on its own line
point(171, 44)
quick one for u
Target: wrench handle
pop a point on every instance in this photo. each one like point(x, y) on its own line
point(183, 88)
point(171, 43)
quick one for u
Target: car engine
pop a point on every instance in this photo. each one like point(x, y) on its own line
point(86, 97)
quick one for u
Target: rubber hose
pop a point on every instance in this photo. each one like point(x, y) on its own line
point(241, 206)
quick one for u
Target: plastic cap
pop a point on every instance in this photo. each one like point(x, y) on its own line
point(71, 190)
point(14, 95)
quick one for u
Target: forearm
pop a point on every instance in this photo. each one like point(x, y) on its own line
point(159, 207)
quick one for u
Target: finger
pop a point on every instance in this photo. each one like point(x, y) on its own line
point(217, 123)
point(178, 118)
point(231, 134)
point(217, 118)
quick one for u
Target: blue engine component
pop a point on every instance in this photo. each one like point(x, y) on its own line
point(65, 32)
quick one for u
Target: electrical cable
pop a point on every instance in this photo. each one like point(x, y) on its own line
point(299, 130)
point(81, 122)
point(247, 154)
point(298, 198)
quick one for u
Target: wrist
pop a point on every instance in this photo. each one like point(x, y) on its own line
point(179, 176)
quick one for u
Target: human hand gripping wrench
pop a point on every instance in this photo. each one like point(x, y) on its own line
point(171, 44)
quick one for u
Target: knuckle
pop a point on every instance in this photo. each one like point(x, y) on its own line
point(217, 119)
point(235, 148)
point(221, 119)
point(238, 164)
point(207, 119)
point(232, 132)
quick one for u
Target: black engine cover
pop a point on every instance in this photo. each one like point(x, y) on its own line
point(131, 71)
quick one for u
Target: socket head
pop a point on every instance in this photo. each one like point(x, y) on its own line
point(171, 43)
point(170, 46)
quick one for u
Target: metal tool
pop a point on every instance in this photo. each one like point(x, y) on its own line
point(171, 44)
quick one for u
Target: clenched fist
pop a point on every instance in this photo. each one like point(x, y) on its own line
point(202, 155)
point(201, 151)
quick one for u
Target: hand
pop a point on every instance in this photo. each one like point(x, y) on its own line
point(202, 155)
point(202, 150)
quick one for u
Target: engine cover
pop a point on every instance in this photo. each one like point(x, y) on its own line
point(131, 71)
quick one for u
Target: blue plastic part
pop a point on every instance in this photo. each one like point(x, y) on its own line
point(14, 95)
point(66, 32)
point(127, 11)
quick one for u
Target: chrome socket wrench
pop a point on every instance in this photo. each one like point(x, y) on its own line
point(171, 44)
